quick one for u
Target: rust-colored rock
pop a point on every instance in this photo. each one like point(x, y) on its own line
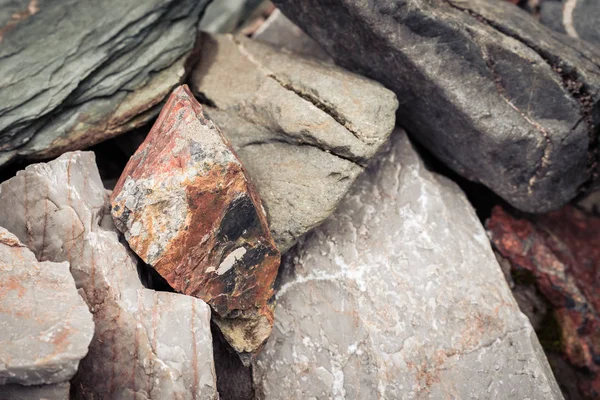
point(187, 208)
point(561, 250)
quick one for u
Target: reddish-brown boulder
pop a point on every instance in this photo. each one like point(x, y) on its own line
point(187, 208)
point(560, 249)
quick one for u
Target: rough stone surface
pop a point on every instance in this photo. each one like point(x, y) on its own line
point(187, 208)
point(147, 344)
point(224, 16)
point(59, 391)
point(561, 251)
point(77, 72)
point(280, 32)
point(46, 326)
point(576, 18)
point(304, 130)
point(494, 94)
point(398, 296)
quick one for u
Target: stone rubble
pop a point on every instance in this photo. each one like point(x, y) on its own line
point(304, 130)
point(399, 296)
point(146, 344)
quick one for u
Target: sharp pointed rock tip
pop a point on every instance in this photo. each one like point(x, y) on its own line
point(187, 208)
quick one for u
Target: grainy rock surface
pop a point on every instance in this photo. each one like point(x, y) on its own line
point(399, 296)
point(77, 72)
point(304, 130)
point(147, 344)
point(576, 18)
point(187, 208)
point(45, 325)
point(560, 251)
point(497, 96)
point(59, 391)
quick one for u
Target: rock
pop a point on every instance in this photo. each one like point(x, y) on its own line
point(279, 31)
point(590, 203)
point(577, 18)
point(187, 209)
point(72, 79)
point(398, 296)
point(147, 344)
point(223, 16)
point(59, 391)
point(560, 251)
point(46, 326)
point(304, 130)
point(498, 97)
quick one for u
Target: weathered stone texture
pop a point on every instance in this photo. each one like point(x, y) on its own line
point(187, 208)
point(147, 344)
point(59, 391)
point(75, 73)
point(45, 326)
point(399, 296)
point(576, 18)
point(304, 130)
point(498, 97)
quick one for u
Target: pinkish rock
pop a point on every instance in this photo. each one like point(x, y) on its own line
point(187, 208)
point(147, 344)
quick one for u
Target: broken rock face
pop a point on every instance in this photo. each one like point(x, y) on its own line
point(187, 208)
point(46, 326)
point(303, 129)
point(147, 344)
point(375, 304)
point(560, 250)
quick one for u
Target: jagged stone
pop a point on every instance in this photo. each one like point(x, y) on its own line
point(304, 130)
point(560, 251)
point(45, 326)
point(223, 16)
point(59, 391)
point(71, 79)
point(398, 296)
point(147, 344)
point(494, 94)
point(187, 209)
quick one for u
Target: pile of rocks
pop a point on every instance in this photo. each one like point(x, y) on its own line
point(271, 231)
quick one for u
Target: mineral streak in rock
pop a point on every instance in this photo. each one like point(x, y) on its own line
point(147, 344)
point(560, 249)
point(187, 208)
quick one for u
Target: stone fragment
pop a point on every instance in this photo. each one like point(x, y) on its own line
point(70, 79)
point(498, 97)
point(560, 250)
point(45, 326)
point(280, 32)
point(398, 296)
point(304, 130)
point(224, 16)
point(147, 344)
point(59, 391)
point(576, 18)
point(187, 209)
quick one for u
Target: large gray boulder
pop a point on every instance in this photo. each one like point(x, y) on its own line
point(304, 130)
point(45, 326)
point(494, 94)
point(147, 344)
point(399, 296)
point(77, 72)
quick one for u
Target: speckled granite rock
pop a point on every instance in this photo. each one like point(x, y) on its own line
point(77, 72)
point(59, 391)
point(304, 130)
point(187, 209)
point(147, 344)
point(398, 296)
point(497, 96)
point(45, 326)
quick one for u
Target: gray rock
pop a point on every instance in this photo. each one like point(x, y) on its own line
point(147, 344)
point(45, 326)
point(494, 94)
point(303, 130)
point(577, 18)
point(59, 391)
point(223, 16)
point(75, 73)
point(398, 296)
point(280, 32)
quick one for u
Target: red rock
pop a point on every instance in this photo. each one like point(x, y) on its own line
point(561, 250)
point(187, 208)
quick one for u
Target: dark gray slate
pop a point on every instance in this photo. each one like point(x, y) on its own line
point(576, 18)
point(73, 73)
point(497, 96)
